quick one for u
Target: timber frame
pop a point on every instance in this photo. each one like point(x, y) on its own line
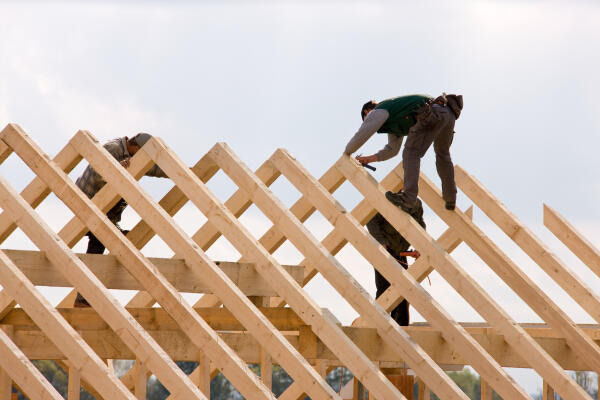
point(256, 310)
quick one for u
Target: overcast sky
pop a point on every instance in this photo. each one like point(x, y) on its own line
point(263, 75)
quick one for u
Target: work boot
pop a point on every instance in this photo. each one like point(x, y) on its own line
point(399, 199)
point(450, 205)
point(81, 302)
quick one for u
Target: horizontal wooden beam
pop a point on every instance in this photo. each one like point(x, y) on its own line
point(285, 319)
point(107, 344)
point(114, 275)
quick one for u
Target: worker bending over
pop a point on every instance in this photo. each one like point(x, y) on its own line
point(90, 182)
point(423, 120)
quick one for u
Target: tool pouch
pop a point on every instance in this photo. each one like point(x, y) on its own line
point(453, 101)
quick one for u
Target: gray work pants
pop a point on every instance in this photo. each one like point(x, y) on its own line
point(439, 130)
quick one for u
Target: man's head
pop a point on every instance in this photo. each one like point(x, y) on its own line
point(136, 142)
point(366, 108)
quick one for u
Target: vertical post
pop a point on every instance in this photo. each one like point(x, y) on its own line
point(548, 392)
point(424, 392)
point(203, 381)
point(5, 381)
point(486, 390)
point(74, 385)
point(140, 380)
point(266, 368)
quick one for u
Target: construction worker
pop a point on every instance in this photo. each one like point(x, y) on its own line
point(90, 182)
point(423, 120)
point(397, 246)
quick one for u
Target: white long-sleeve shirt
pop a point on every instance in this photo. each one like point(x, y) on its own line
point(370, 125)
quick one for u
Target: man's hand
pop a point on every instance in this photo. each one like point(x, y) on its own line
point(366, 159)
point(125, 163)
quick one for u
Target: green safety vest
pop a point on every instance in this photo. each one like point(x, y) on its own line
point(400, 109)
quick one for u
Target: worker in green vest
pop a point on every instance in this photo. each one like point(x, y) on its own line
point(423, 120)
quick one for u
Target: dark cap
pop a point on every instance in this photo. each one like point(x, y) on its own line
point(141, 138)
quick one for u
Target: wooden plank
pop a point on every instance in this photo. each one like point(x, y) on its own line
point(326, 329)
point(25, 374)
point(77, 272)
point(197, 260)
point(424, 392)
point(505, 268)
point(535, 248)
point(266, 368)
point(74, 383)
point(136, 338)
point(573, 239)
point(293, 392)
point(547, 392)
point(6, 333)
point(202, 377)
point(106, 343)
point(486, 390)
point(418, 297)
point(419, 270)
point(268, 266)
point(285, 319)
point(41, 272)
point(141, 373)
point(7, 303)
point(36, 191)
point(60, 332)
point(232, 298)
point(457, 277)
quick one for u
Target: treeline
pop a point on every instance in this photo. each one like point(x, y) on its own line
point(221, 389)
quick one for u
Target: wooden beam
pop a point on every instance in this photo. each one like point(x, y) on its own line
point(140, 267)
point(486, 390)
point(41, 272)
point(458, 278)
point(543, 256)
point(35, 345)
point(197, 260)
point(547, 392)
point(74, 383)
point(61, 333)
point(15, 366)
point(573, 239)
point(7, 303)
point(285, 319)
point(141, 373)
point(77, 272)
point(295, 296)
point(418, 297)
point(232, 298)
point(6, 333)
point(335, 274)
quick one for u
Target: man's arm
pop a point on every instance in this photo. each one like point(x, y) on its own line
point(156, 172)
point(391, 149)
point(370, 125)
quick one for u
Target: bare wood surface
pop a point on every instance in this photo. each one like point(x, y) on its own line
point(457, 277)
point(197, 260)
point(573, 239)
point(80, 276)
point(41, 272)
point(335, 273)
point(418, 297)
point(550, 263)
point(16, 366)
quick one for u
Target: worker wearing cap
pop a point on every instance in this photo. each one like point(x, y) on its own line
point(423, 120)
point(90, 182)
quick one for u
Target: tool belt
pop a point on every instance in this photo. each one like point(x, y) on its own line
point(452, 101)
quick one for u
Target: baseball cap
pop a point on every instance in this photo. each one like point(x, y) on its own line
point(141, 138)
